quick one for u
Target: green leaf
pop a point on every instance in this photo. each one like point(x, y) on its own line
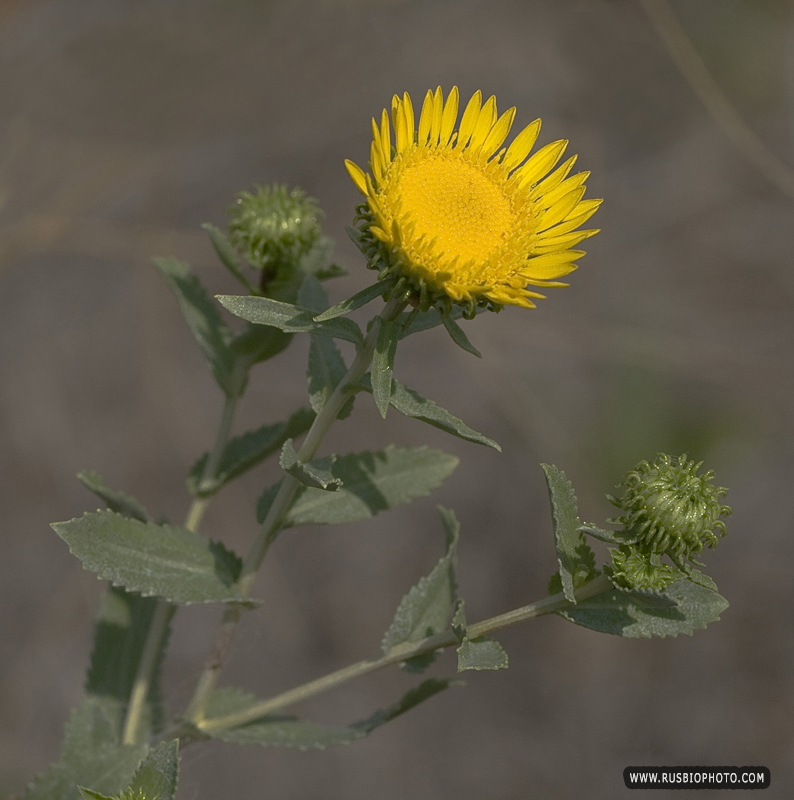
point(257, 343)
point(289, 318)
point(372, 482)
point(88, 794)
point(458, 336)
point(412, 698)
point(204, 320)
point(412, 404)
point(157, 776)
point(326, 370)
point(315, 474)
point(565, 519)
point(481, 653)
point(90, 757)
point(163, 560)
point(227, 254)
point(428, 606)
point(120, 633)
point(311, 295)
point(287, 731)
point(383, 363)
point(624, 614)
point(246, 451)
point(358, 300)
point(116, 501)
point(315, 262)
point(425, 320)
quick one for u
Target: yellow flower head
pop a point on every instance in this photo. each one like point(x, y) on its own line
point(455, 218)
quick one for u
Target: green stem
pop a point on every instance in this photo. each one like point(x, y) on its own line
point(400, 653)
point(164, 611)
point(278, 510)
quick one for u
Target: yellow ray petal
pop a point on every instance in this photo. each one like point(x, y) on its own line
point(561, 209)
point(551, 244)
point(521, 145)
point(470, 117)
point(574, 182)
point(385, 137)
point(539, 164)
point(449, 117)
point(484, 123)
point(438, 112)
point(357, 174)
point(554, 179)
point(408, 108)
point(498, 133)
point(426, 118)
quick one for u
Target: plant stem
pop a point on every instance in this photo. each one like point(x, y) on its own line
point(400, 653)
point(164, 611)
point(277, 512)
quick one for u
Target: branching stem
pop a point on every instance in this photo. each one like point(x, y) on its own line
point(281, 504)
point(398, 654)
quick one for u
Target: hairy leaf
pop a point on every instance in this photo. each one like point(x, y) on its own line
point(163, 560)
point(289, 318)
point(565, 518)
point(356, 301)
point(227, 254)
point(412, 404)
point(326, 370)
point(157, 776)
point(458, 336)
point(315, 474)
point(90, 757)
point(116, 501)
point(246, 451)
point(624, 614)
point(291, 732)
point(372, 482)
point(122, 625)
point(481, 653)
point(204, 320)
point(428, 606)
point(383, 363)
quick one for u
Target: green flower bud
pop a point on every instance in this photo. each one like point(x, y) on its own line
point(633, 569)
point(274, 228)
point(669, 508)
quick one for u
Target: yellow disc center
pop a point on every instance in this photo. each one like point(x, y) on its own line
point(456, 203)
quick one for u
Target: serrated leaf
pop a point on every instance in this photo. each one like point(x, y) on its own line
point(174, 563)
point(290, 732)
point(157, 776)
point(246, 451)
point(358, 300)
point(428, 606)
point(116, 501)
point(288, 317)
point(257, 343)
point(227, 254)
point(120, 634)
point(89, 757)
point(458, 336)
point(202, 316)
point(412, 404)
point(326, 369)
point(383, 363)
point(480, 654)
point(565, 519)
point(311, 295)
point(621, 614)
point(315, 474)
point(372, 482)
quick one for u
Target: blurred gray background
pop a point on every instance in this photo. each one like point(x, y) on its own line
point(125, 125)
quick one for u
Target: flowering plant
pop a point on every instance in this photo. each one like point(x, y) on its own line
point(455, 223)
